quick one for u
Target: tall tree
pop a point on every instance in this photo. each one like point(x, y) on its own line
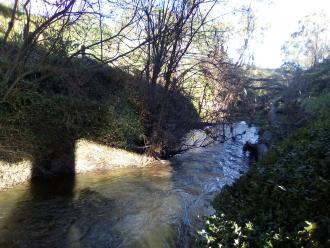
point(310, 44)
point(170, 28)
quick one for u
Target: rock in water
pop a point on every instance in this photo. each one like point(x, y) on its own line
point(196, 138)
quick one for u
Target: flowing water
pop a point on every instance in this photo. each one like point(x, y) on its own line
point(159, 206)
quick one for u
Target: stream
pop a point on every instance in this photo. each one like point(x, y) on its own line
point(159, 206)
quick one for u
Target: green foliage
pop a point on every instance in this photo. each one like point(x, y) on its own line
point(310, 87)
point(317, 104)
point(43, 115)
point(283, 201)
point(79, 117)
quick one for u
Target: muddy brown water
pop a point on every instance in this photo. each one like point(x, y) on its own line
point(161, 206)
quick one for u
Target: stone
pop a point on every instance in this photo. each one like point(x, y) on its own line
point(196, 138)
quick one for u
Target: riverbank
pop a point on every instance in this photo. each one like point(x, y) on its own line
point(52, 110)
point(283, 201)
point(89, 157)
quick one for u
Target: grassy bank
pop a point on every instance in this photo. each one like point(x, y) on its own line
point(283, 201)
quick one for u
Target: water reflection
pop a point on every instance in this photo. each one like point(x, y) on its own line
point(151, 207)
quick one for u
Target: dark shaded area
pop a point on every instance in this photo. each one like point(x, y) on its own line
point(54, 214)
point(62, 103)
point(252, 149)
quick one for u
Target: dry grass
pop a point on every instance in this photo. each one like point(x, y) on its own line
point(12, 174)
point(91, 156)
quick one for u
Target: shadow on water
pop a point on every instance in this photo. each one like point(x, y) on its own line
point(53, 217)
point(116, 211)
point(33, 220)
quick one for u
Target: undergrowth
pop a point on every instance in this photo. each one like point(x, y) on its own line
point(62, 101)
point(283, 201)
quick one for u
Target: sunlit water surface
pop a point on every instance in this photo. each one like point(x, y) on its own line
point(161, 206)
